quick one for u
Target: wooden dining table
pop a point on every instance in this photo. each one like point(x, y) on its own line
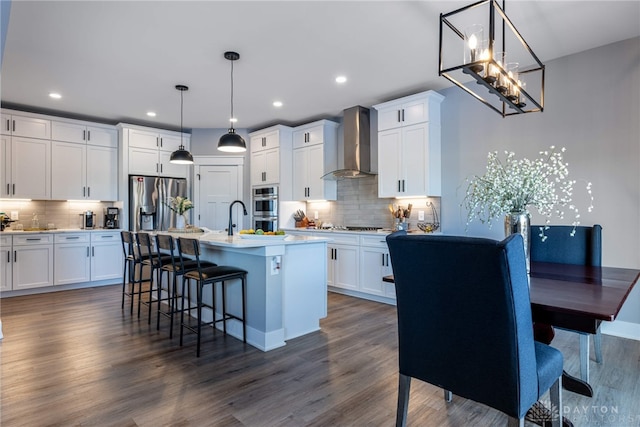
point(578, 298)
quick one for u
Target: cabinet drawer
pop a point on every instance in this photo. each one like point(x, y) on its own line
point(71, 237)
point(106, 237)
point(343, 239)
point(33, 239)
point(375, 241)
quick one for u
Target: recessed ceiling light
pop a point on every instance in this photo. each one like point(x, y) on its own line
point(151, 114)
point(277, 103)
point(55, 95)
point(233, 120)
point(341, 79)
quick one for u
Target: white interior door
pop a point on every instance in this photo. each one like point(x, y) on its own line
point(218, 186)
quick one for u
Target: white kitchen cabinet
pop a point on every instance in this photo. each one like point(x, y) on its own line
point(5, 163)
point(106, 255)
point(84, 134)
point(29, 127)
point(149, 151)
point(6, 263)
point(314, 154)
point(27, 168)
point(81, 171)
point(342, 261)
point(409, 152)
point(271, 159)
point(32, 261)
point(375, 263)
point(72, 261)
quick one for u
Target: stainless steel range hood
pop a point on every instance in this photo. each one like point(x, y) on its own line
point(357, 145)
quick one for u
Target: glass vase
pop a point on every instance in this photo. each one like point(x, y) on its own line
point(519, 222)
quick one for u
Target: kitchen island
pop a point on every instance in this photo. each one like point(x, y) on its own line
point(286, 284)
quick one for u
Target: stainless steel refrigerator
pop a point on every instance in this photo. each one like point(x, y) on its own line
point(148, 201)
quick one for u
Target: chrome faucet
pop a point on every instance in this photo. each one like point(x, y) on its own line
point(230, 232)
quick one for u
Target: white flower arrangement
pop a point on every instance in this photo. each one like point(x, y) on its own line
point(180, 205)
point(514, 185)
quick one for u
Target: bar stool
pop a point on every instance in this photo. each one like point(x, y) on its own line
point(209, 276)
point(175, 268)
point(154, 260)
point(131, 261)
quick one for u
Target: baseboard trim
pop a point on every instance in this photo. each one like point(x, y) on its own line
point(621, 329)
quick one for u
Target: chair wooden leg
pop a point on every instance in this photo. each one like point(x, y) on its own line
point(404, 386)
point(597, 345)
point(515, 422)
point(448, 396)
point(584, 357)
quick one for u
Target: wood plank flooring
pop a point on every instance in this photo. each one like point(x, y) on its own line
point(75, 358)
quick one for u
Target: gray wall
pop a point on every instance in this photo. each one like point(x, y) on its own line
point(592, 108)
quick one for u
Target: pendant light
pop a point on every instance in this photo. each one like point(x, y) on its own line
point(181, 156)
point(232, 142)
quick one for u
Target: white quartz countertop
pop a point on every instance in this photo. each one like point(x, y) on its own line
point(60, 230)
point(239, 241)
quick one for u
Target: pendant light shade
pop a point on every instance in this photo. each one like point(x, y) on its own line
point(232, 142)
point(181, 156)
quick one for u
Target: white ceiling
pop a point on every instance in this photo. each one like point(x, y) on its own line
point(115, 61)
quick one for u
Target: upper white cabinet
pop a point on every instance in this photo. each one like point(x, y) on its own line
point(149, 151)
point(314, 154)
point(30, 127)
point(27, 166)
point(84, 134)
point(271, 158)
point(409, 152)
point(84, 162)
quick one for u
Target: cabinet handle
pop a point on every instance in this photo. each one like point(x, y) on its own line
point(8, 256)
point(160, 142)
point(34, 239)
point(157, 141)
point(382, 259)
point(14, 189)
point(88, 191)
point(72, 238)
point(160, 167)
point(403, 190)
point(14, 125)
point(87, 251)
point(157, 168)
point(8, 192)
point(387, 260)
point(8, 128)
point(106, 236)
point(15, 256)
point(403, 114)
point(84, 135)
point(398, 186)
point(88, 135)
point(93, 251)
point(84, 191)
point(399, 116)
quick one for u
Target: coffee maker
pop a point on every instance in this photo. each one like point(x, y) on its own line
point(111, 215)
point(88, 220)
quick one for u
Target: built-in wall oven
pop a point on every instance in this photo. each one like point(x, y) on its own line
point(265, 208)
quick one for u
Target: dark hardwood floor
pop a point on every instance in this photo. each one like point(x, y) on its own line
point(75, 358)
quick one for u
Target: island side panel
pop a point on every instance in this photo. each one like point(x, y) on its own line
point(264, 293)
point(304, 271)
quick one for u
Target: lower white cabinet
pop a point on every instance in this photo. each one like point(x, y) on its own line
point(72, 258)
point(6, 263)
point(106, 255)
point(32, 261)
point(375, 263)
point(342, 264)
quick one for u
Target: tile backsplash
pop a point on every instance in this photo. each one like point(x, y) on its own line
point(358, 205)
point(62, 214)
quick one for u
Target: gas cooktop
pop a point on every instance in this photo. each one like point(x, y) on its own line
point(353, 228)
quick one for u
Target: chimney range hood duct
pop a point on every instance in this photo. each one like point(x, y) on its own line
point(357, 146)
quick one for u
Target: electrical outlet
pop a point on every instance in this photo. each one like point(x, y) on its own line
point(420, 215)
point(15, 215)
point(315, 215)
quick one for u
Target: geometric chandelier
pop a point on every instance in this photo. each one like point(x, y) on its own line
point(493, 63)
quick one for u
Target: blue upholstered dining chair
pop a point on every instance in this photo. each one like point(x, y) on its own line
point(464, 324)
point(582, 248)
